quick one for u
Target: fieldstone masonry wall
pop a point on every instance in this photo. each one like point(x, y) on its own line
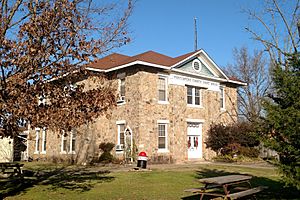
point(141, 112)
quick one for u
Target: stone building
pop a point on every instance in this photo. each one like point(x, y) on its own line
point(165, 107)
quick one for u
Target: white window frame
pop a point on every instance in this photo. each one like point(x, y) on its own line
point(121, 79)
point(193, 104)
point(119, 124)
point(63, 138)
point(200, 65)
point(72, 134)
point(222, 98)
point(165, 77)
point(37, 141)
point(44, 141)
point(165, 123)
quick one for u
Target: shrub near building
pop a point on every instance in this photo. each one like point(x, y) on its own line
point(237, 139)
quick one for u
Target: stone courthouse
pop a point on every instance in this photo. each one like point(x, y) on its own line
point(165, 107)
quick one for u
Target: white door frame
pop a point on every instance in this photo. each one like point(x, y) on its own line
point(194, 135)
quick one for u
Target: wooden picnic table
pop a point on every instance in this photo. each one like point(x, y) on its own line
point(226, 184)
point(11, 169)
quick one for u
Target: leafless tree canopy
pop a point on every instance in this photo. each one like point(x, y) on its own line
point(278, 24)
point(44, 45)
point(253, 69)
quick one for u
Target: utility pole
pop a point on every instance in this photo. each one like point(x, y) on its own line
point(195, 32)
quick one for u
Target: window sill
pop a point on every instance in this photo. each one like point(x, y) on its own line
point(119, 152)
point(163, 102)
point(223, 109)
point(163, 151)
point(121, 103)
point(43, 152)
point(72, 152)
point(36, 152)
point(194, 106)
point(63, 152)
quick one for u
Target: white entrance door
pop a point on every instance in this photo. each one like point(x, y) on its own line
point(194, 140)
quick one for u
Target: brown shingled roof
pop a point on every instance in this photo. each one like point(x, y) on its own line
point(115, 59)
point(109, 61)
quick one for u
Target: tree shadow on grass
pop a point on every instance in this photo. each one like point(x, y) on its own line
point(80, 180)
point(275, 190)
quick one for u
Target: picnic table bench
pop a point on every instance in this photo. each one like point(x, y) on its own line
point(10, 170)
point(227, 184)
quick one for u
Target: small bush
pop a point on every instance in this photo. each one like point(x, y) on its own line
point(106, 146)
point(249, 152)
point(226, 139)
point(231, 149)
point(106, 156)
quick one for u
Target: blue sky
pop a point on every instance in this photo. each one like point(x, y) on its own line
point(167, 26)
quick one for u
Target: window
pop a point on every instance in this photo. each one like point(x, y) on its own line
point(70, 89)
point(162, 136)
point(222, 97)
point(121, 137)
point(68, 142)
point(193, 96)
point(41, 100)
point(72, 141)
point(44, 141)
point(162, 88)
point(122, 90)
point(197, 65)
point(37, 140)
point(64, 142)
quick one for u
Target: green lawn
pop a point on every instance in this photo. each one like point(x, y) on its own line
point(167, 182)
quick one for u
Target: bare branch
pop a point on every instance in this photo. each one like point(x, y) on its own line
point(286, 24)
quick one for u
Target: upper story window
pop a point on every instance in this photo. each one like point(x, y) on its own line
point(193, 96)
point(162, 89)
point(197, 65)
point(222, 97)
point(121, 89)
point(70, 89)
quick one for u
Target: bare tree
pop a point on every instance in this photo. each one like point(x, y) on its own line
point(42, 41)
point(279, 22)
point(253, 69)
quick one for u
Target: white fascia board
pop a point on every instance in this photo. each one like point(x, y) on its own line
point(184, 60)
point(210, 78)
point(61, 76)
point(237, 82)
point(128, 65)
point(216, 66)
point(200, 76)
point(95, 69)
point(153, 65)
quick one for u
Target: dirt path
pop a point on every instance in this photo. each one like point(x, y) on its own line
point(186, 166)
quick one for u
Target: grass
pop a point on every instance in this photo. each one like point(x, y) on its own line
point(163, 182)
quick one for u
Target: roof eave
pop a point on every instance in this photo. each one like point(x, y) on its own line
point(186, 59)
point(137, 62)
point(237, 82)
